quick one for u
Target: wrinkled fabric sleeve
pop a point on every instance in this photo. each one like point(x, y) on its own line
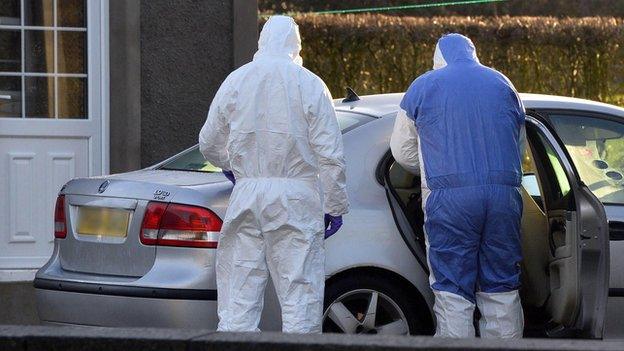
point(404, 143)
point(520, 112)
point(326, 142)
point(522, 142)
point(214, 134)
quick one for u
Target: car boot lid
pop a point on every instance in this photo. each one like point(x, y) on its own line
point(159, 185)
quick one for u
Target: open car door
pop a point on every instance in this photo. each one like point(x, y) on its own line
point(577, 237)
point(404, 195)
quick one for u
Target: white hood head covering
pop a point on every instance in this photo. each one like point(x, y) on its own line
point(438, 59)
point(280, 37)
point(273, 124)
point(453, 47)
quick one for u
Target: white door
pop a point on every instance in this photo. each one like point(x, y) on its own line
point(53, 120)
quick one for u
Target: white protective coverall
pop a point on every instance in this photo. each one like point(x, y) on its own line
point(501, 312)
point(272, 122)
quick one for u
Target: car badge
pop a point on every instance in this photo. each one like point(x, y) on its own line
point(103, 186)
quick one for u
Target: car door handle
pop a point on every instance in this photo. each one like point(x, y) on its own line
point(616, 231)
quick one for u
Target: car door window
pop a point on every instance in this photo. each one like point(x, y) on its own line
point(596, 146)
point(530, 180)
point(529, 173)
point(558, 186)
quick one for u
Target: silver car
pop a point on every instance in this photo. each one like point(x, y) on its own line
point(125, 253)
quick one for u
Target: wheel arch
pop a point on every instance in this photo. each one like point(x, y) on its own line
point(418, 296)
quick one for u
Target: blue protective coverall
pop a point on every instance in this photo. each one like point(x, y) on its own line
point(469, 127)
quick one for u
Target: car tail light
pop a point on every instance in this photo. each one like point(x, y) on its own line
point(180, 225)
point(60, 226)
point(151, 222)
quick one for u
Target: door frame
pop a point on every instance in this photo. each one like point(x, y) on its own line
point(98, 102)
point(591, 318)
point(414, 241)
point(104, 79)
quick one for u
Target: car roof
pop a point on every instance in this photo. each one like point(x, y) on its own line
point(383, 104)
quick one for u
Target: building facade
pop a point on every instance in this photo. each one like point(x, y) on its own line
point(91, 87)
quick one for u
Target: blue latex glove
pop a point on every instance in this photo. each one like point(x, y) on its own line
point(229, 175)
point(332, 224)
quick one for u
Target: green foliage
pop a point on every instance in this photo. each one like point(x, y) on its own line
point(581, 57)
point(557, 8)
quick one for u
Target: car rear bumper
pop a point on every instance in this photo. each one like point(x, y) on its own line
point(124, 306)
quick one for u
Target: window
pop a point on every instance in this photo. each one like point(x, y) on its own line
point(43, 59)
point(554, 185)
point(348, 121)
point(529, 178)
point(563, 185)
point(193, 160)
point(596, 146)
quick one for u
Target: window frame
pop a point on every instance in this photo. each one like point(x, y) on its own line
point(92, 31)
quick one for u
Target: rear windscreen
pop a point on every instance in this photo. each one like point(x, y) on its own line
point(350, 120)
point(193, 160)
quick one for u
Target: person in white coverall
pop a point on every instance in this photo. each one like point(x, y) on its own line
point(272, 128)
point(461, 127)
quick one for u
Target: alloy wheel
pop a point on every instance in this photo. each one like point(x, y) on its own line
point(365, 311)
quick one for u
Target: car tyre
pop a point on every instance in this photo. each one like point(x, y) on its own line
point(373, 304)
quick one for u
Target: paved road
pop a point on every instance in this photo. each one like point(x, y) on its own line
point(17, 307)
point(28, 338)
point(17, 304)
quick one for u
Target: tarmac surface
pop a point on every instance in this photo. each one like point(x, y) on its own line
point(17, 304)
point(23, 338)
point(20, 330)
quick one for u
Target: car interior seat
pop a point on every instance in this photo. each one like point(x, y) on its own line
point(404, 182)
point(406, 187)
point(535, 265)
point(536, 255)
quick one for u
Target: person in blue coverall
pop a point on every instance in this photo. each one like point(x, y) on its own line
point(461, 126)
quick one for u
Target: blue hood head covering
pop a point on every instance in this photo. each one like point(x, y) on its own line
point(452, 48)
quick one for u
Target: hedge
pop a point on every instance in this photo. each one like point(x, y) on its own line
point(557, 8)
point(377, 54)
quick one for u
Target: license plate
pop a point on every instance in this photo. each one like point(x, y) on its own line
point(103, 221)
